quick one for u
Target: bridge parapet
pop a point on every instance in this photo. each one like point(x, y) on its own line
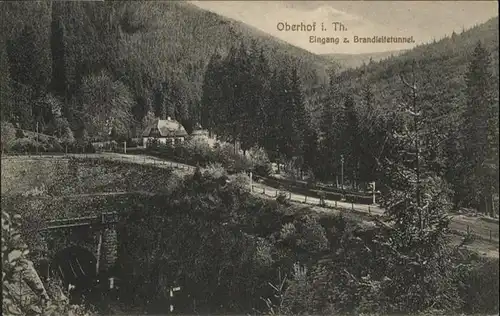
point(96, 234)
point(103, 219)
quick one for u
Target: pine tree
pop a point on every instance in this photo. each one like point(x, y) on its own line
point(331, 129)
point(248, 97)
point(6, 109)
point(417, 206)
point(273, 143)
point(479, 111)
point(231, 91)
point(58, 58)
point(210, 100)
point(371, 138)
point(311, 149)
point(300, 119)
point(158, 105)
point(262, 78)
point(351, 139)
point(28, 61)
point(178, 98)
point(287, 145)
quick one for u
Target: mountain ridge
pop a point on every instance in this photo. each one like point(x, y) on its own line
point(346, 60)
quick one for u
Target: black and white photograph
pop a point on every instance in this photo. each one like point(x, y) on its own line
point(249, 158)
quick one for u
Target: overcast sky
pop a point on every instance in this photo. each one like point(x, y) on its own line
point(424, 20)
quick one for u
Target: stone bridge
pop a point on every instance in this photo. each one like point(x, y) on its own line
point(81, 251)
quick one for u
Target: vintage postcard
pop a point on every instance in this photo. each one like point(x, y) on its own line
point(249, 157)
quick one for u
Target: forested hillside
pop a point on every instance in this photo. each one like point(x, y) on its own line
point(91, 66)
point(434, 108)
point(347, 61)
point(445, 92)
point(97, 70)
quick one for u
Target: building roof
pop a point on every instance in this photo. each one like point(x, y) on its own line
point(164, 128)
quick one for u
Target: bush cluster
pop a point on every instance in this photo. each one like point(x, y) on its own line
point(199, 153)
point(232, 246)
point(15, 141)
point(224, 247)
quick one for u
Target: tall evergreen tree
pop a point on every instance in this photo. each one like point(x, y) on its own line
point(249, 96)
point(6, 110)
point(300, 120)
point(262, 80)
point(179, 102)
point(28, 60)
point(159, 106)
point(211, 97)
point(351, 139)
point(477, 144)
point(287, 132)
point(331, 127)
point(311, 149)
point(58, 57)
point(273, 142)
point(371, 138)
point(417, 205)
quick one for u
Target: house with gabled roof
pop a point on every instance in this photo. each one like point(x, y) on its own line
point(167, 131)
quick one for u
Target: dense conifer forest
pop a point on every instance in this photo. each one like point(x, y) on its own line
point(88, 70)
point(423, 125)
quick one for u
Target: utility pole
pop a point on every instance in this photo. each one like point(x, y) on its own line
point(124, 147)
point(36, 137)
point(342, 172)
point(251, 183)
point(172, 290)
point(373, 191)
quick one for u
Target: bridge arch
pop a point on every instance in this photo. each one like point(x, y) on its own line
point(75, 266)
point(81, 251)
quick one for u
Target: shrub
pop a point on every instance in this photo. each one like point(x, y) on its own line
point(333, 196)
point(480, 286)
point(359, 199)
point(8, 135)
point(282, 198)
point(215, 171)
point(55, 147)
point(225, 155)
point(241, 180)
point(67, 137)
point(82, 147)
point(133, 142)
point(195, 152)
point(312, 236)
point(261, 164)
point(241, 163)
point(22, 145)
